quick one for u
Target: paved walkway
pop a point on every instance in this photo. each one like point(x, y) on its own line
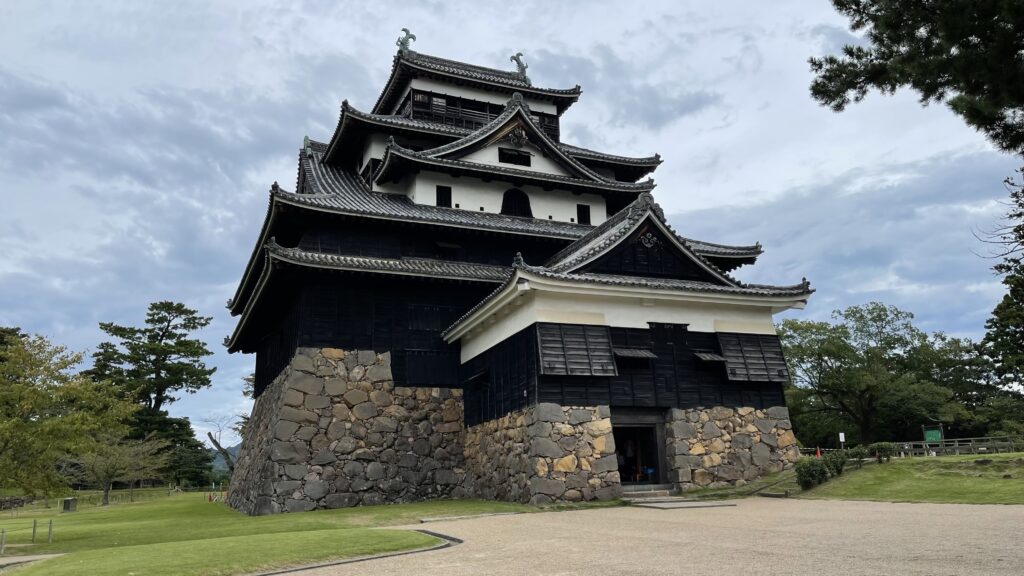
point(6, 561)
point(758, 536)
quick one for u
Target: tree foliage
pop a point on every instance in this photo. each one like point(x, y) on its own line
point(873, 373)
point(962, 52)
point(188, 460)
point(47, 411)
point(152, 363)
point(113, 458)
point(1005, 328)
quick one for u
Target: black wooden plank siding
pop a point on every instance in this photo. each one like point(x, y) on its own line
point(359, 238)
point(675, 379)
point(502, 379)
point(366, 312)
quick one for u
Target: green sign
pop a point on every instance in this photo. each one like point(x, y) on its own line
point(933, 434)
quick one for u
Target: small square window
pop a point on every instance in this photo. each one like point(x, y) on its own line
point(444, 196)
point(583, 213)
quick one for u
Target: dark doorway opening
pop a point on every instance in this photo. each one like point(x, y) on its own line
point(636, 448)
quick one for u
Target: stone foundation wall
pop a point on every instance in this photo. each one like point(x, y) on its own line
point(333, 431)
point(726, 446)
point(543, 454)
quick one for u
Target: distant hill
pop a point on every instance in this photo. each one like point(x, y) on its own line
point(218, 461)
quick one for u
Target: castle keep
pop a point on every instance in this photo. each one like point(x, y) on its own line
point(455, 303)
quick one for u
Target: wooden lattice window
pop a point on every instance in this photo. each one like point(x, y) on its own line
point(753, 357)
point(575, 350)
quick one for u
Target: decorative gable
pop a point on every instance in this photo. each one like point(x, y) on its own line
point(649, 251)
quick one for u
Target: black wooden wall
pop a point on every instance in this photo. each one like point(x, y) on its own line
point(502, 379)
point(508, 376)
point(355, 311)
point(362, 238)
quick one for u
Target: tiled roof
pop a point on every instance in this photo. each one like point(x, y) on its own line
point(393, 150)
point(442, 129)
point(408, 59)
point(338, 190)
point(401, 266)
point(758, 290)
point(342, 191)
point(331, 189)
point(801, 289)
point(579, 152)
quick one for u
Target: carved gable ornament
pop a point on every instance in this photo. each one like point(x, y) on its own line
point(517, 136)
point(649, 239)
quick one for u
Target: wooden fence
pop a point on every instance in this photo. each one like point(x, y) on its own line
point(957, 446)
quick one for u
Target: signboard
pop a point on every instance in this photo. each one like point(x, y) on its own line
point(932, 433)
point(842, 436)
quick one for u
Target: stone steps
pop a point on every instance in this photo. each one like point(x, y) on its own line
point(645, 491)
point(645, 495)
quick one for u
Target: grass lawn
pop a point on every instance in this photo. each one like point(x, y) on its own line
point(185, 535)
point(953, 479)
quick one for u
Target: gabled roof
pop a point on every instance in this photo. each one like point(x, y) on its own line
point(398, 161)
point(353, 123)
point(611, 232)
point(568, 270)
point(408, 64)
point(515, 115)
point(275, 255)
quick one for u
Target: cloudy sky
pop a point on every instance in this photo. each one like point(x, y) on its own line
point(138, 142)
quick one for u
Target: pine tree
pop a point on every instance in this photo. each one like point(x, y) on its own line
point(152, 363)
point(961, 52)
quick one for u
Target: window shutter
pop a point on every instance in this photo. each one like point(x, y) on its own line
point(575, 350)
point(753, 357)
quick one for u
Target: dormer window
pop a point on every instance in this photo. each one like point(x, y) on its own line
point(515, 202)
point(510, 156)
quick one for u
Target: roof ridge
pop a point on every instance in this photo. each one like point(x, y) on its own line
point(470, 72)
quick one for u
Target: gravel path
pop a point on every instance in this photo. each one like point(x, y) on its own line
point(759, 536)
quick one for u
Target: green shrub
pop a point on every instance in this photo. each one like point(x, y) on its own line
point(810, 472)
point(883, 451)
point(835, 462)
point(858, 455)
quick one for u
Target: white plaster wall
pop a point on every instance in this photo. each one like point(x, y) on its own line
point(439, 87)
point(373, 148)
point(538, 161)
point(473, 193)
point(619, 312)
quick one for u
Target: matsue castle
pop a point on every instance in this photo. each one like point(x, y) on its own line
point(453, 302)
